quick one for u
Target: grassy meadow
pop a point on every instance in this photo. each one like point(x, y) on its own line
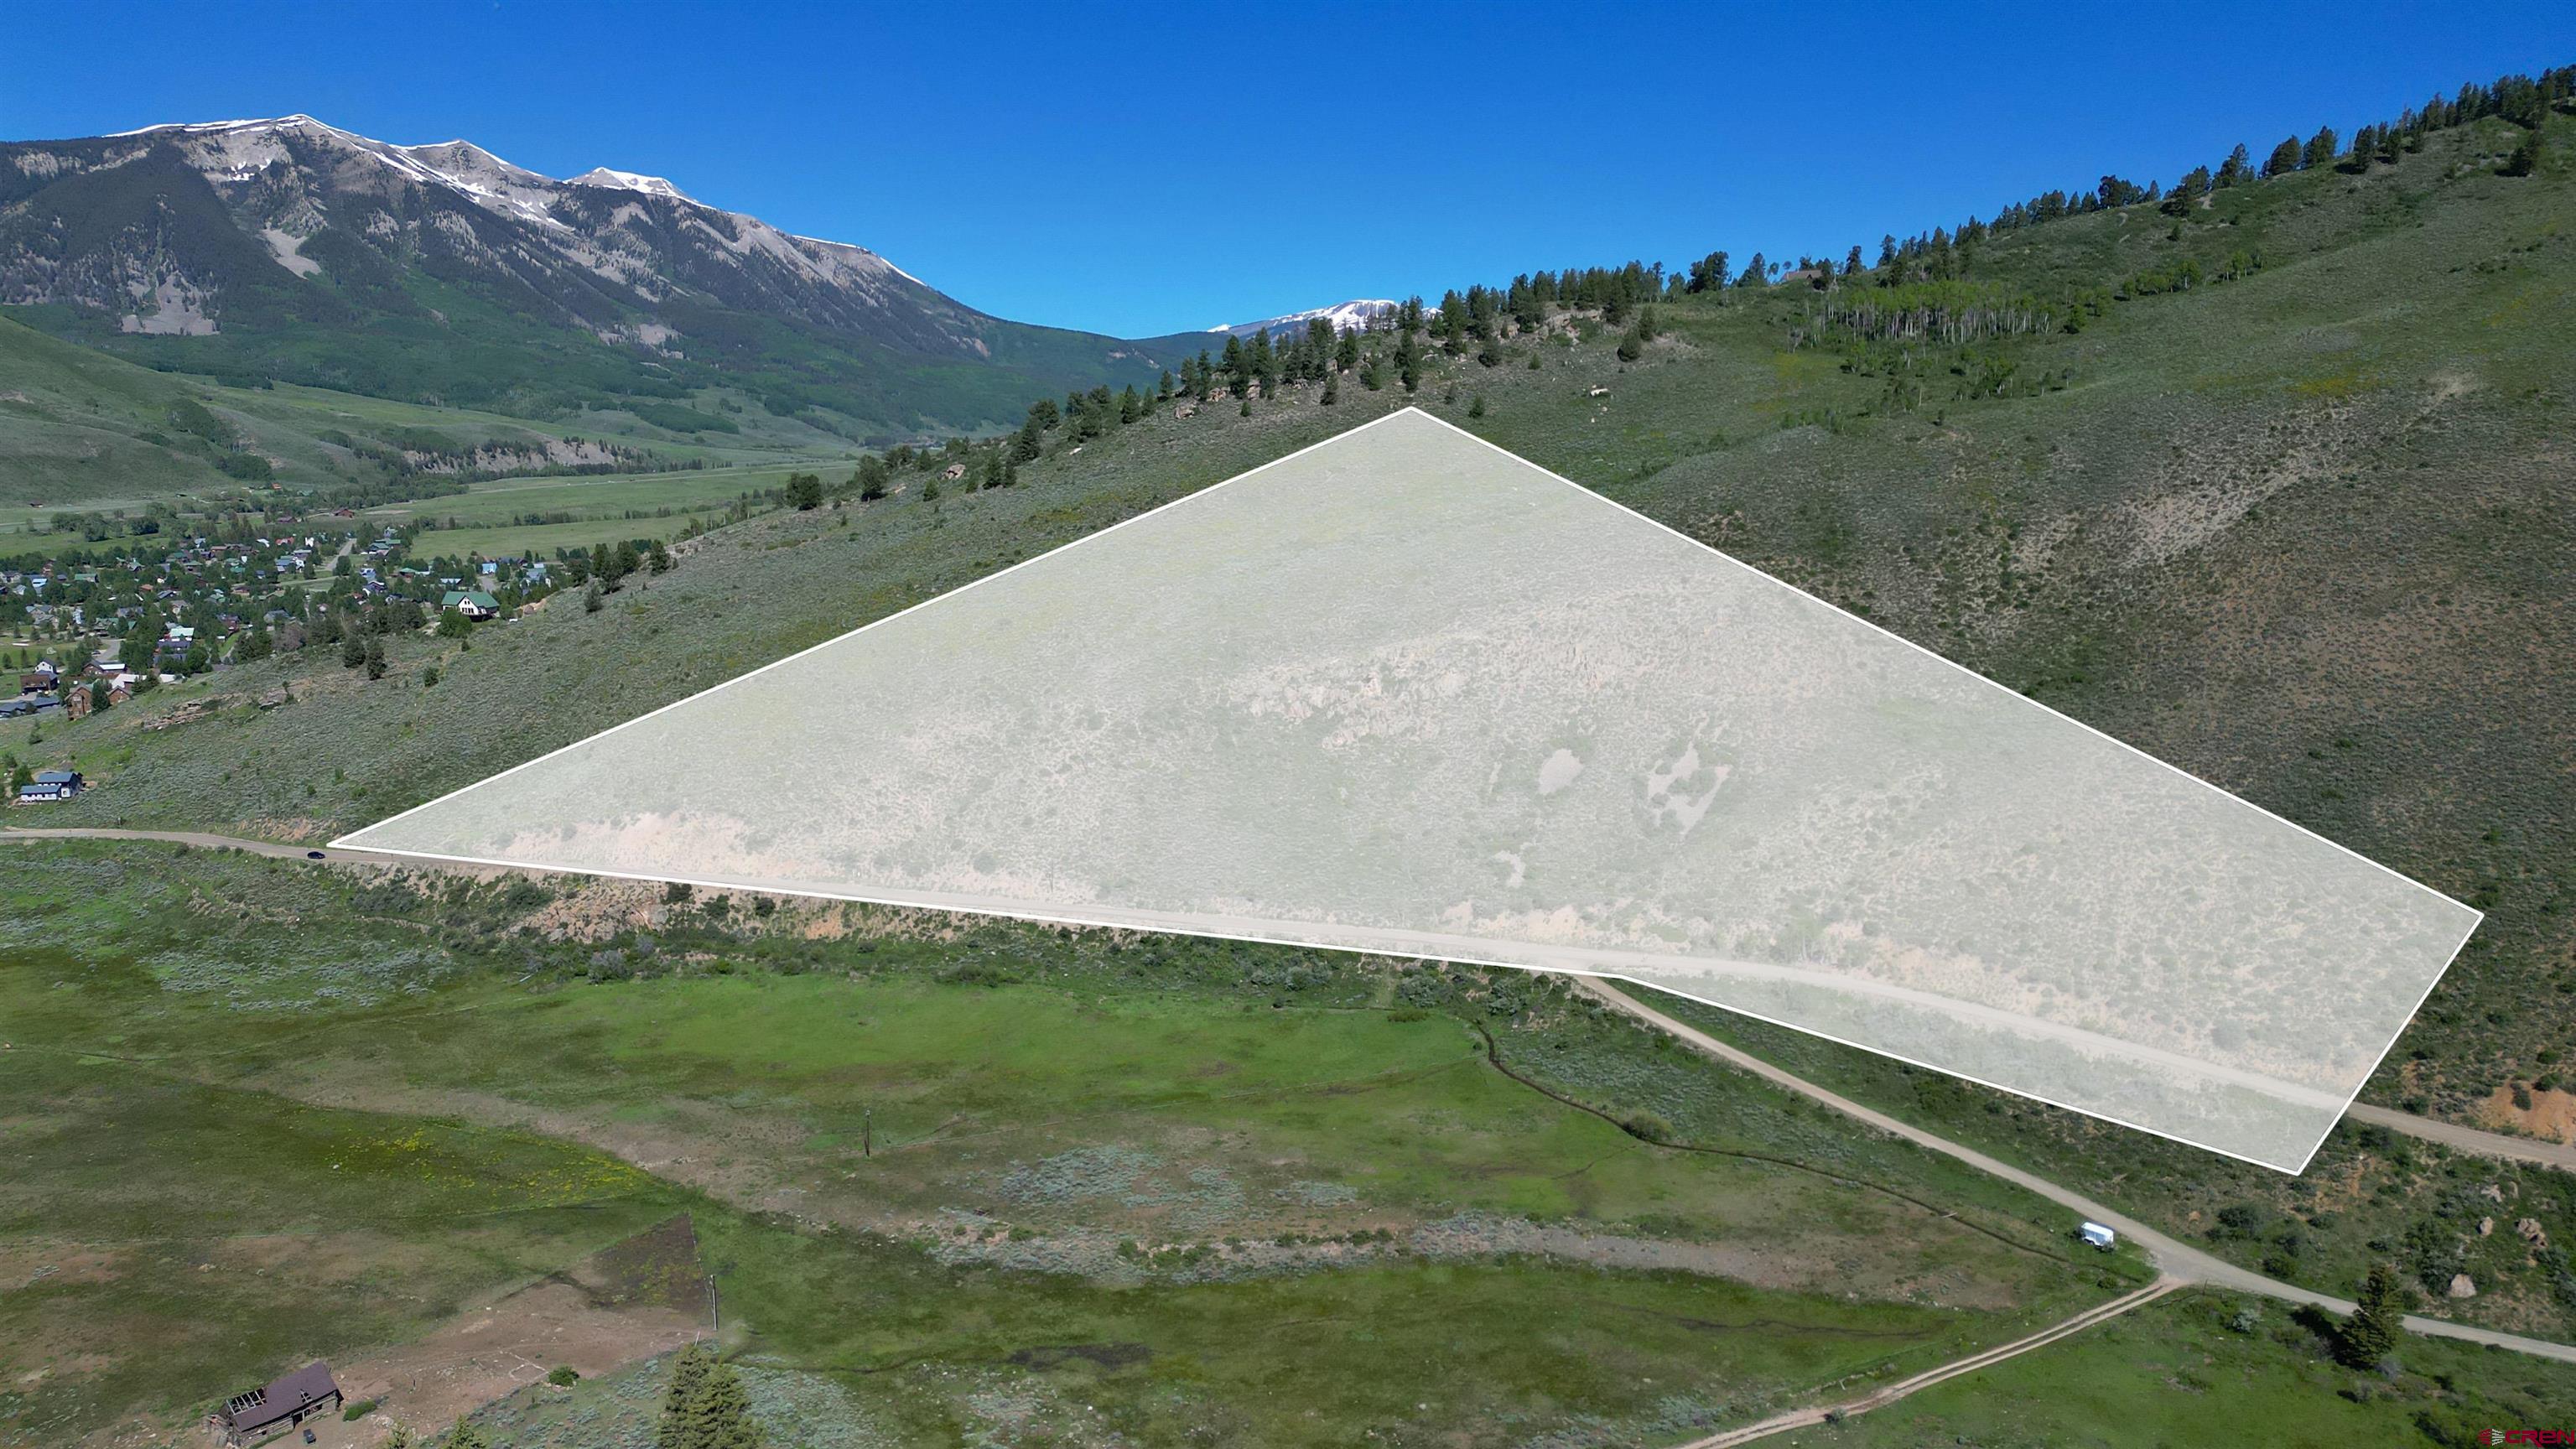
point(1251, 1150)
point(506, 517)
point(82, 432)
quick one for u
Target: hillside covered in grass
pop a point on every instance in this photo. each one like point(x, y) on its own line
point(2274, 484)
point(2300, 531)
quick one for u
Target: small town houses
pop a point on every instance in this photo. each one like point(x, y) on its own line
point(184, 605)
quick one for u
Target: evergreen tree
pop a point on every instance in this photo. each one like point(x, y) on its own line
point(718, 1413)
point(2526, 154)
point(375, 658)
point(466, 1436)
point(2238, 167)
point(1332, 389)
point(689, 1374)
point(2284, 158)
point(805, 491)
point(2370, 1334)
point(353, 650)
point(2186, 194)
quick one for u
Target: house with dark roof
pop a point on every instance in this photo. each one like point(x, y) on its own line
point(254, 1414)
point(50, 785)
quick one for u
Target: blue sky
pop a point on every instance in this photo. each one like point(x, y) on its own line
point(1139, 169)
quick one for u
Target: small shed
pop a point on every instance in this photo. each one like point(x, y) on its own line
point(2097, 1235)
point(253, 1414)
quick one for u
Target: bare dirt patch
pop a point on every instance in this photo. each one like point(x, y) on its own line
point(634, 1300)
point(2551, 1115)
point(491, 1352)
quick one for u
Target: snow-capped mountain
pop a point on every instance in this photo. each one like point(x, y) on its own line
point(616, 180)
point(235, 235)
point(1343, 316)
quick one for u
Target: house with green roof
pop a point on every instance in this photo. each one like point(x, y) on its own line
point(472, 603)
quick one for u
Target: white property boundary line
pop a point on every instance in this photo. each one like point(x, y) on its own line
point(354, 840)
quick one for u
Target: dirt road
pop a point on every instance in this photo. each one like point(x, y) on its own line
point(203, 841)
point(2175, 1258)
point(1882, 1397)
point(2467, 1139)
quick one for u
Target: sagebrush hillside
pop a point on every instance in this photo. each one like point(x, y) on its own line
point(2279, 491)
point(2301, 531)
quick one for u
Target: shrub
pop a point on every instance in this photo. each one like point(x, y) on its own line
point(359, 1410)
point(1647, 1127)
point(564, 1376)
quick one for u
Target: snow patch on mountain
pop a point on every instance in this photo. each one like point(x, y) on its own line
point(630, 181)
point(1344, 316)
